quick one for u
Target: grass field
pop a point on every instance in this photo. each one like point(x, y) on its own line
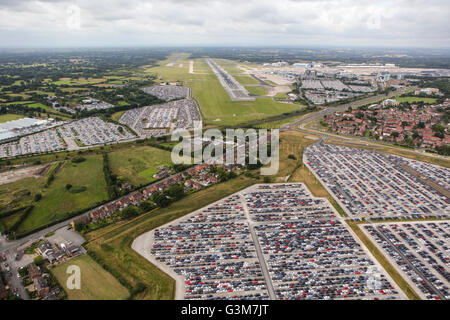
point(259, 91)
point(137, 165)
point(416, 99)
point(130, 265)
point(245, 80)
point(96, 282)
point(10, 117)
point(116, 116)
point(80, 81)
point(40, 105)
point(56, 200)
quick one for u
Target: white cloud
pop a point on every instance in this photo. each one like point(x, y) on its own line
point(224, 22)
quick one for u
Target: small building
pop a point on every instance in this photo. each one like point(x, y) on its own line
point(390, 102)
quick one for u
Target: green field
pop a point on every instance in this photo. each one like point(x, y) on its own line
point(77, 82)
point(96, 282)
point(40, 105)
point(245, 80)
point(10, 117)
point(137, 165)
point(56, 200)
point(258, 91)
point(132, 267)
point(116, 116)
point(416, 99)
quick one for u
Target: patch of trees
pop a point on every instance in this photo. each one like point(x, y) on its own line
point(78, 159)
point(24, 215)
point(51, 175)
point(443, 150)
point(169, 195)
point(110, 178)
point(77, 189)
point(132, 95)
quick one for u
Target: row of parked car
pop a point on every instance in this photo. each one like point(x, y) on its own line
point(308, 251)
point(371, 184)
point(421, 250)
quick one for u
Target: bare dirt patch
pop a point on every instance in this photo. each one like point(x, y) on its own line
point(14, 175)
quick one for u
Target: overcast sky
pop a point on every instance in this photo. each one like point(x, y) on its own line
point(86, 23)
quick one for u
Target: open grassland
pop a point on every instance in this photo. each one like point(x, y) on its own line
point(56, 200)
point(116, 116)
point(132, 268)
point(230, 66)
point(10, 117)
point(42, 106)
point(137, 165)
point(246, 80)
point(19, 193)
point(416, 99)
point(258, 91)
point(96, 282)
point(77, 82)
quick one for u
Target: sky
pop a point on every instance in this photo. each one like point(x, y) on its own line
point(148, 23)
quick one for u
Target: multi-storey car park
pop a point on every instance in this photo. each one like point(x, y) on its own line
point(420, 251)
point(235, 90)
point(272, 241)
point(157, 120)
point(372, 184)
point(88, 131)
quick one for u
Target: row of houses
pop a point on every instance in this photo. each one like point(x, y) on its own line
point(199, 178)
